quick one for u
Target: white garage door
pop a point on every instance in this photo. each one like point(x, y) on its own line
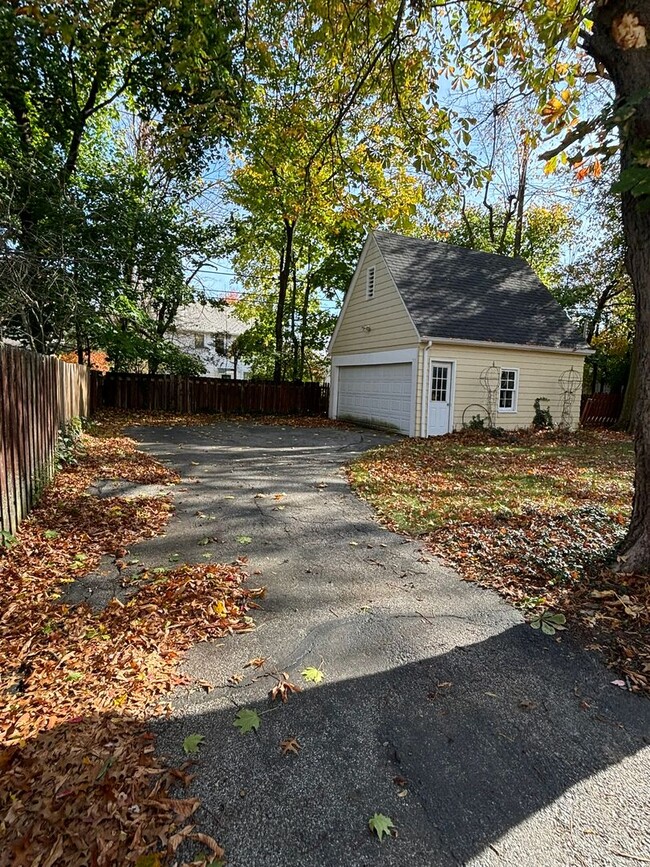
point(376, 393)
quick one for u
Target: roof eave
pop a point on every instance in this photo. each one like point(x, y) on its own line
point(526, 347)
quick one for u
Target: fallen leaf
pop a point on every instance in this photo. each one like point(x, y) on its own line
point(290, 745)
point(217, 851)
point(256, 662)
point(283, 688)
point(315, 675)
point(247, 720)
point(382, 826)
point(153, 859)
point(191, 744)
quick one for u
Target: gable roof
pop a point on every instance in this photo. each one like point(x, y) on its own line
point(460, 294)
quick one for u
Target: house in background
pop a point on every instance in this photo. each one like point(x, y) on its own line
point(207, 333)
point(431, 336)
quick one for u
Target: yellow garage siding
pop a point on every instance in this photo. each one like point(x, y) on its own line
point(378, 323)
point(539, 373)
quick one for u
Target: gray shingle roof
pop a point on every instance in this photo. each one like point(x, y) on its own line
point(452, 292)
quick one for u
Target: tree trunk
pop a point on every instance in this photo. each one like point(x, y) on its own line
point(626, 418)
point(303, 325)
point(521, 196)
point(285, 275)
point(294, 338)
point(620, 44)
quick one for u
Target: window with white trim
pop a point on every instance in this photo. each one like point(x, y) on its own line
point(370, 283)
point(508, 390)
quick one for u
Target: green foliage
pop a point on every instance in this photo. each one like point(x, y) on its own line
point(247, 720)
point(7, 539)
point(542, 418)
point(477, 422)
point(382, 826)
point(192, 743)
point(527, 603)
point(67, 444)
point(544, 232)
point(596, 291)
point(547, 622)
point(94, 205)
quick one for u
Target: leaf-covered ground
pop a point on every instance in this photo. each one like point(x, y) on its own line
point(536, 516)
point(81, 781)
point(115, 420)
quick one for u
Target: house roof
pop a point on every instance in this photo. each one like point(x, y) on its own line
point(454, 293)
point(206, 319)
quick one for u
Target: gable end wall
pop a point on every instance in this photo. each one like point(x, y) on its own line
point(385, 314)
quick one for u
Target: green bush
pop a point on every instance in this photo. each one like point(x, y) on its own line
point(542, 418)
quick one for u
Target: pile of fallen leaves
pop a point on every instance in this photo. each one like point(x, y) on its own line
point(113, 421)
point(537, 516)
point(81, 783)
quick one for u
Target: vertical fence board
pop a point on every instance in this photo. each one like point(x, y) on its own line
point(38, 394)
point(194, 394)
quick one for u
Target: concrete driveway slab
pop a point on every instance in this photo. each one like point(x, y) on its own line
point(486, 742)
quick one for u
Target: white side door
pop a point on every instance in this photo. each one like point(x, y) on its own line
point(440, 384)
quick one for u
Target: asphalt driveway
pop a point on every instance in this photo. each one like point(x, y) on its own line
point(485, 742)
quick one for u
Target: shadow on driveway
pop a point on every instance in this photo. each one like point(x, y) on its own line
point(508, 754)
point(515, 748)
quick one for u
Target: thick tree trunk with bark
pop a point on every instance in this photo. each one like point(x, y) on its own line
point(619, 42)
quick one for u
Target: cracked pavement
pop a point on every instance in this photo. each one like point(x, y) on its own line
point(486, 742)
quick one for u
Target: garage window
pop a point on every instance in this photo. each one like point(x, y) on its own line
point(508, 391)
point(370, 283)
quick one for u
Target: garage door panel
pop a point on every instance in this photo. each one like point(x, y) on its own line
point(376, 393)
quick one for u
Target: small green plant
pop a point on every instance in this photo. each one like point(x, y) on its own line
point(542, 418)
point(67, 445)
point(477, 422)
point(530, 602)
point(548, 623)
point(7, 539)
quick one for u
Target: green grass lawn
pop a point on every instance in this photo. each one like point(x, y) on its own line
point(536, 516)
point(421, 485)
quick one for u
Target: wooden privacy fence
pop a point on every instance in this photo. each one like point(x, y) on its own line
point(601, 410)
point(38, 394)
point(196, 394)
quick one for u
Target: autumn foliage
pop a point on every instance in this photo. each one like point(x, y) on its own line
point(81, 781)
point(535, 515)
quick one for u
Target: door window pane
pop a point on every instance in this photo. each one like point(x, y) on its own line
point(439, 377)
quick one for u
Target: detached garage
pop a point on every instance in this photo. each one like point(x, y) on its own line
point(376, 392)
point(433, 336)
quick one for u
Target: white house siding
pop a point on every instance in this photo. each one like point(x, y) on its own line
point(539, 373)
point(195, 320)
